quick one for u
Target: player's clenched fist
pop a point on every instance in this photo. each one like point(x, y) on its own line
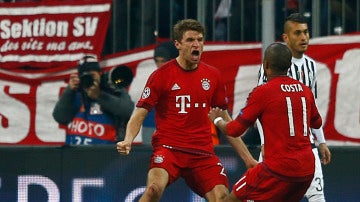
point(123, 147)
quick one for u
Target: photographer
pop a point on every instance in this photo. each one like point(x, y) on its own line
point(95, 109)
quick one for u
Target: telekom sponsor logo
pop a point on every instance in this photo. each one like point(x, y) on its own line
point(183, 102)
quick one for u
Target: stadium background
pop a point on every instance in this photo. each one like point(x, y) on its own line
point(36, 167)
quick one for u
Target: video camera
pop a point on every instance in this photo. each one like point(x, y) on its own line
point(117, 77)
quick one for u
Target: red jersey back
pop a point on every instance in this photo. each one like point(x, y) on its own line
point(286, 109)
point(182, 100)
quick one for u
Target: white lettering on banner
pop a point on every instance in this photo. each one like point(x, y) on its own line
point(79, 184)
point(47, 94)
point(85, 26)
point(347, 109)
point(55, 46)
point(50, 46)
point(87, 127)
point(24, 181)
point(9, 46)
point(80, 45)
point(32, 45)
point(14, 114)
point(38, 27)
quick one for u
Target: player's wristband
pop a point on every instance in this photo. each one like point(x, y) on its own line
point(319, 134)
point(217, 119)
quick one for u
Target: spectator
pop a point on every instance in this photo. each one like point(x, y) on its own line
point(221, 18)
point(164, 52)
point(96, 111)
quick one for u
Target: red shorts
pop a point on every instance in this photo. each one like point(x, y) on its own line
point(260, 184)
point(200, 172)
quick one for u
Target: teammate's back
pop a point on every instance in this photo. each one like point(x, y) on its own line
point(287, 111)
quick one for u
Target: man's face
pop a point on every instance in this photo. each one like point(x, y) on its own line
point(191, 47)
point(84, 80)
point(297, 37)
point(95, 75)
point(159, 61)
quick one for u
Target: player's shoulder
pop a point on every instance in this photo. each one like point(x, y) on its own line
point(298, 86)
point(166, 67)
point(208, 67)
point(308, 58)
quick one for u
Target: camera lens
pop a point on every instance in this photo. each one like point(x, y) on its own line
point(86, 80)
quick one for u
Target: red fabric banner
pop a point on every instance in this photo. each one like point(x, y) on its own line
point(26, 108)
point(51, 36)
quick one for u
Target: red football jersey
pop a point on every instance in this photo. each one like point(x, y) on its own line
point(286, 109)
point(182, 100)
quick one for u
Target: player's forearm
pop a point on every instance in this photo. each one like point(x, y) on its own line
point(134, 124)
point(242, 150)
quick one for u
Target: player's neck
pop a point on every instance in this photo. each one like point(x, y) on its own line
point(186, 65)
point(273, 76)
point(297, 55)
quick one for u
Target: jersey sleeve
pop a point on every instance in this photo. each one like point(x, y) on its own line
point(220, 95)
point(315, 120)
point(151, 92)
point(248, 115)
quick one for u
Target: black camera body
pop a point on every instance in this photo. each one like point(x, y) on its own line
point(117, 77)
point(86, 80)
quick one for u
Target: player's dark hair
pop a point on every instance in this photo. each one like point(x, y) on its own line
point(185, 25)
point(295, 17)
point(279, 57)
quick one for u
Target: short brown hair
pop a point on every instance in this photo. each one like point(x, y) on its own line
point(185, 25)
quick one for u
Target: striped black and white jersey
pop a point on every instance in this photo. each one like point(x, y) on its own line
point(303, 70)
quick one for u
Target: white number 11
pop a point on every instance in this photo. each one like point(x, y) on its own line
point(291, 117)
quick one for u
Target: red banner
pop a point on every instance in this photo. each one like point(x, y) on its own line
point(51, 36)
point(25, 109)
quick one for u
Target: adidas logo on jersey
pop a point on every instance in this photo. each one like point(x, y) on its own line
point(175, 87)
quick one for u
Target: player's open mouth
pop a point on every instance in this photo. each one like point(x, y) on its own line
point(195, 54)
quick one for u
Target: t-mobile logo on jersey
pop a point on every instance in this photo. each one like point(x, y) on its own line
point(183, 102)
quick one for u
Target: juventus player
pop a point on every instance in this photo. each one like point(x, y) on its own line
point(303, 68)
